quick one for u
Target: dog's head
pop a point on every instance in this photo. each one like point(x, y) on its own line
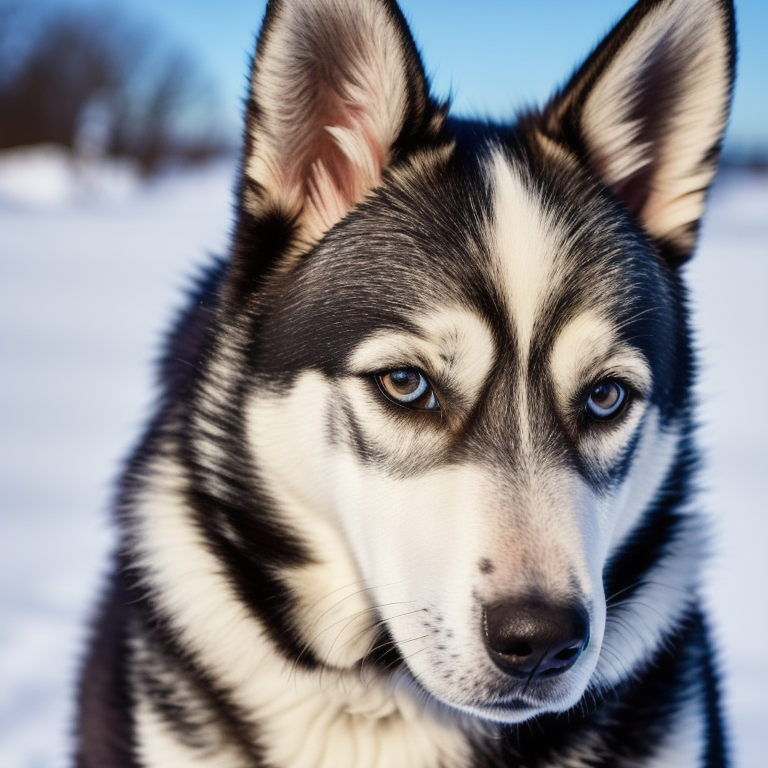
point(466, 400)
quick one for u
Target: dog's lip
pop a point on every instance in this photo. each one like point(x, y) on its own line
point(508, 705)
point(511, 704)
point(500, 705)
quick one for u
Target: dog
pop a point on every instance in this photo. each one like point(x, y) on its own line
point(419, 490)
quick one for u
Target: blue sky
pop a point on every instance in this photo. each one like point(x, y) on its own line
point(493, 56)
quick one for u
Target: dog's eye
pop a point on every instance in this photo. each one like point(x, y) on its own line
point(606, 400)
point(409, 387)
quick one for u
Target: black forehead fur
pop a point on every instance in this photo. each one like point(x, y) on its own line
point(420, 242)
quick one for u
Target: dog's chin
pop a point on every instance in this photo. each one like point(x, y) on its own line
point(508, 707)
point(508, 711)
point(512, 709)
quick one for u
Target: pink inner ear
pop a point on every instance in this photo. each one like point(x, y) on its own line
point(337, 156)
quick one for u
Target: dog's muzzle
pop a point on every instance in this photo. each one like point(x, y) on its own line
point(531, 639)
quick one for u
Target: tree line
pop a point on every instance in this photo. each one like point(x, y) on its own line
point(101, 84)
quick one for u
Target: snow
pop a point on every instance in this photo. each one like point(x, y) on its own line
point(49, 177)
point(94, 265)
point(729, 281)
point(88, 284)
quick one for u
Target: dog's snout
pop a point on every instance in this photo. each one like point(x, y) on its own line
point(533, 639)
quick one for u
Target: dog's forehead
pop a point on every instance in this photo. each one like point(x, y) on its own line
point(528, 245)
point(561, 249)
point(524, 247)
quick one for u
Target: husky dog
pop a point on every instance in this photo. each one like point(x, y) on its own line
point(418, 490)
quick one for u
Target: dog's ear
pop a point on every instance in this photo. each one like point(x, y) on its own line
point(648, 109)
point(337, 90)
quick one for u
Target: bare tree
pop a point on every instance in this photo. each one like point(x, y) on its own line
point(92, 81)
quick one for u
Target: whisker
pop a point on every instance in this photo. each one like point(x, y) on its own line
point(382, 622)
point(392, 664)
point(307, 646)
point(352, 619)
point(347, 620)
point(642, 583)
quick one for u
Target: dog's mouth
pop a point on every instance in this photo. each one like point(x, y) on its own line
point(531, 670)
point(517, 704)
point(504, 705)
point(520, 695)
point(511, 709)
point(509, 705)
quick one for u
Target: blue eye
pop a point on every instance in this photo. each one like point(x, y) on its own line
point(410, 388)
point(606, 400)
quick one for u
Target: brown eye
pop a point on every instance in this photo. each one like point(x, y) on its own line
point(409, 387)
point(606, 400)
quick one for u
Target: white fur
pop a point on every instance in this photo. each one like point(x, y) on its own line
point(652, 461)
point(685, 745)
point(641, 622)
point(418, 541)
point(346, 719)
point(526, 243)
point(290, 435)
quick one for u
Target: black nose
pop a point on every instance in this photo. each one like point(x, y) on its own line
point(530, 638)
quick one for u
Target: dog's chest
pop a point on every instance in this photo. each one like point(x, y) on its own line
point(338, 721)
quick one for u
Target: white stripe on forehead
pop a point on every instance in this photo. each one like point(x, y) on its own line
point(525, 242)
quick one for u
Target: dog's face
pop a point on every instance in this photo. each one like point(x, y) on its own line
point(470, 398)
point(468, 355)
